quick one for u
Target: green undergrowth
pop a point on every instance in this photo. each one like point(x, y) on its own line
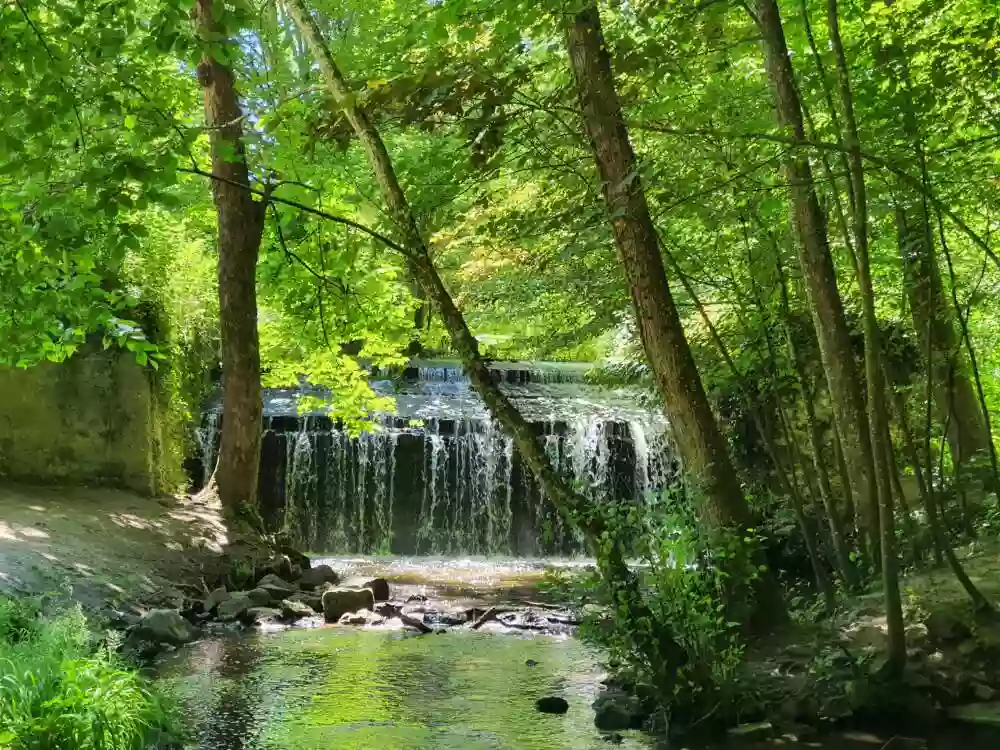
point(60, 688)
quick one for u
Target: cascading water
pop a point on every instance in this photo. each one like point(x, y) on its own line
point(439, 476)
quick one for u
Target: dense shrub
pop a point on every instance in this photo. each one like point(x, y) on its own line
point(61, 690)
point(676, 647)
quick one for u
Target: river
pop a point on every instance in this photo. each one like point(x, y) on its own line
point(373, 689)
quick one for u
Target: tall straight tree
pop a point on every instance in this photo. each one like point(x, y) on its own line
point(701, 445)
point(878, 418)
point(241, 224)
point(819, 274)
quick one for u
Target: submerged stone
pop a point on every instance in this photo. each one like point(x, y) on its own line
point(166, 626)
point(552, 704)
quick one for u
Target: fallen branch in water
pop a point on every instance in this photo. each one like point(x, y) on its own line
point(490, 614)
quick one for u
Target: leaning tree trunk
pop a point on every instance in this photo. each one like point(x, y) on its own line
point(241, 224)
point(695, 430)
point(820, 276)
point(658, 643)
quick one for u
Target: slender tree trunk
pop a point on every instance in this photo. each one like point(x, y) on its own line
point(837, 533)
point(878, 419)
point(659, 643)
point(241, 224)
point(821, 280)
point(701, 445)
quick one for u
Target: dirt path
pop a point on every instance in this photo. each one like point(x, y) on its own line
point(103, 548)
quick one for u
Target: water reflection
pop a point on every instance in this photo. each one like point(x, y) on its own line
point(338, 688)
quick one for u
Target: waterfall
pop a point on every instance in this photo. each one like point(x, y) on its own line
point(455, 484)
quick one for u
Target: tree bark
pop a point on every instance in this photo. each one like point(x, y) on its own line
point(702, 448)
point(821, 280)
point(241, 224)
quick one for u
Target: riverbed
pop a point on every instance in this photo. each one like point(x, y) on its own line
point(372, 688)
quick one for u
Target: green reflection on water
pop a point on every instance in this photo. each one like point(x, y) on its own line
point(340, 688)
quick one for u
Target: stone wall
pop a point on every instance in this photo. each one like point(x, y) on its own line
point(89, 420)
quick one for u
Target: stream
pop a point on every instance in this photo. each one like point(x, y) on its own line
point(374, 688)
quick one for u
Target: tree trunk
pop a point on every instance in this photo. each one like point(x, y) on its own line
point(658, 643)
point(702, 448)
point(821, 280)
point(881, 445)
point(241, 224)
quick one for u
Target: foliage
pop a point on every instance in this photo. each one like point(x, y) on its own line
point(687, 580)
point(59, 689)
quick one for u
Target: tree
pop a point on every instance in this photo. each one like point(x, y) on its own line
point(240, 228)
point(695, 430)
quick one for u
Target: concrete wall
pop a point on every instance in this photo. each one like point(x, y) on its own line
point(90, 420)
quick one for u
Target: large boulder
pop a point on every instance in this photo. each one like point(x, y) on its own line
point(234, 607)
point(214, 599)
point(165, 626)
point(379, 586)
point(315, 577)
point(338, 601)
point(945, 626)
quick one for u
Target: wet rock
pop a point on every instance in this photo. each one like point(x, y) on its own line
point(165, 626)
point(282, 567)
point(261, 597)
point(233, 607)
point(378, 586)
point(338, 601)
point(944, 626)
point(261, 615)
point(444, 618)
point(274, 584)
point(530, 663)
point(313, 601)
point(757, 731)
point(214, 599)
point(552, 704)
point(412, 598)
point(614, 738)
point(984, 693)
point(616, 710)
point(293, 611)
point(317, 576)
point(362, 617)
point(987, 714)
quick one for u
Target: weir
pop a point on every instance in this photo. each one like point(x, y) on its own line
point(439, 477)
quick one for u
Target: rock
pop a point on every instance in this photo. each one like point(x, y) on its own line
point(413, 598)
point(379, 586)
point(261, 597)
point(217, 597)
point(984, 693)
point(443, 618)
point(274, 583)
point(338, 601)
point(616, 710)
point(944, 626)
point(361, 617)
point(867, 636)
point(757, 731)
point(530, 663)
point(317, 577)
point(977, 713)
point(552, 704)
point(233, 607)
point(313, 601)
point(614, 738)
point(261, 615)
point(292, 610)
point(280, 566)
point(798, 732)
point(165, 626)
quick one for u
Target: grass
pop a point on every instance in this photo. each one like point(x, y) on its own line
point(60, 689)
